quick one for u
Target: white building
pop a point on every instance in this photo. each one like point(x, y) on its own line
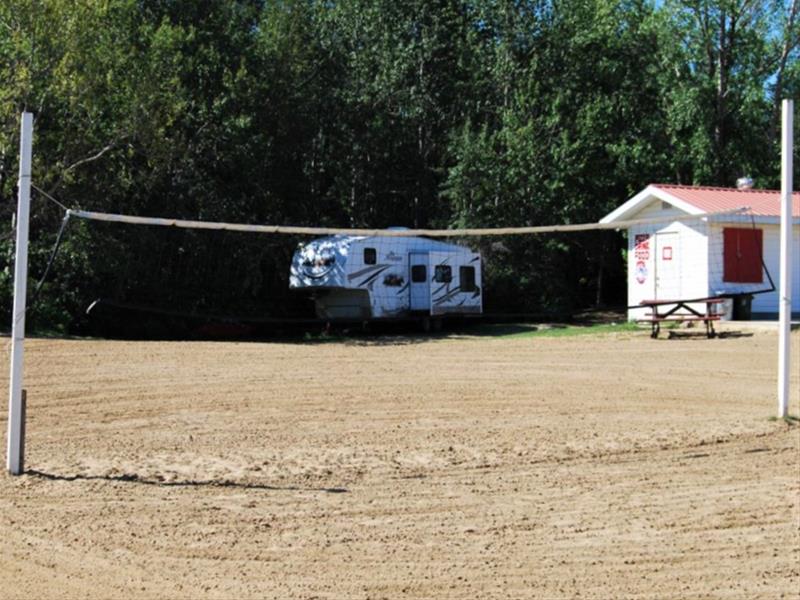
point(726, 255)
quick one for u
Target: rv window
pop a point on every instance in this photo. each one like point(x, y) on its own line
point(419, 274)
point(393, 280)
point(466, 276)
point(370, 256)
point(444, 274)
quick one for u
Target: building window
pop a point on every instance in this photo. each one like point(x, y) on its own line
point(419, 274)
point(370, 256)
point(466, 276)
point(443, 274)
point(742, 250)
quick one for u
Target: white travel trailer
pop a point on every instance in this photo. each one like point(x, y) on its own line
point(358, 277)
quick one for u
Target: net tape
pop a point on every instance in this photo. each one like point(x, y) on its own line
point(295, 230)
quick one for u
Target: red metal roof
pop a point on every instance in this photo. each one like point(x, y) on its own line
point(764, 203)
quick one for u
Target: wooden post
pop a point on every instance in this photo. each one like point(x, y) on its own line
point(24, 414)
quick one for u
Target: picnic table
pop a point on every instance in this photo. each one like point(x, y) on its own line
point(682, 311)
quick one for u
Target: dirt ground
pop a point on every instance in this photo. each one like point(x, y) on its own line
point(602, 466)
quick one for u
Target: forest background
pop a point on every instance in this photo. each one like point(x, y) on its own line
point(371, 113)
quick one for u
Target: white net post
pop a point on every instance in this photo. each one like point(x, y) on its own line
point(15, 452)
point(785, 315)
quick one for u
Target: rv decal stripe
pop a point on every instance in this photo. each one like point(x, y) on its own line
point(372, 277)
point(454, 293)
point(447, 296)
point(352, 276)
point(402, 289)
point(439, 298)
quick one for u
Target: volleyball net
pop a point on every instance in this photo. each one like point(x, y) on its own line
point(139, 275)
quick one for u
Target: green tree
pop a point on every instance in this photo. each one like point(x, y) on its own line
point(722, 84)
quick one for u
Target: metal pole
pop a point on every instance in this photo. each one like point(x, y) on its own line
point(15, 426)
point(784, 343)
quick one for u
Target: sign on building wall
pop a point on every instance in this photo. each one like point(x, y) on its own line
point(641, 253)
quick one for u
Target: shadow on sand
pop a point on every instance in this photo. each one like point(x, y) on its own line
point(701, 335)
point(223, 483)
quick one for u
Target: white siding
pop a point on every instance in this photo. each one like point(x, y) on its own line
point(691, 256)
point(702, 261)
point(762, 303)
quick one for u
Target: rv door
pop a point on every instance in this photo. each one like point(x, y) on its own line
point(419, 278)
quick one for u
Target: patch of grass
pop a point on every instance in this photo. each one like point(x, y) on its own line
point(324, 337)
point(791, 420)
point(54, 334)
point(573, 330)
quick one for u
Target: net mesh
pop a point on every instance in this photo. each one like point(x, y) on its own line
point(155, 276)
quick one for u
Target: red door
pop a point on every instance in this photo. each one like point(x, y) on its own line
point(743, 250)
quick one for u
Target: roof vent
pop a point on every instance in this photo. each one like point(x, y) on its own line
point(744, 183)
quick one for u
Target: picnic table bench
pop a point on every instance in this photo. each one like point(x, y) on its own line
point(681, 311)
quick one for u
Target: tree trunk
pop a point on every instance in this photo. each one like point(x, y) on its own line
point(722, 91)
point(789, 43)
point(598, 301)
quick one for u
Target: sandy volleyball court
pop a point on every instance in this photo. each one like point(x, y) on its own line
point(603, 466)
